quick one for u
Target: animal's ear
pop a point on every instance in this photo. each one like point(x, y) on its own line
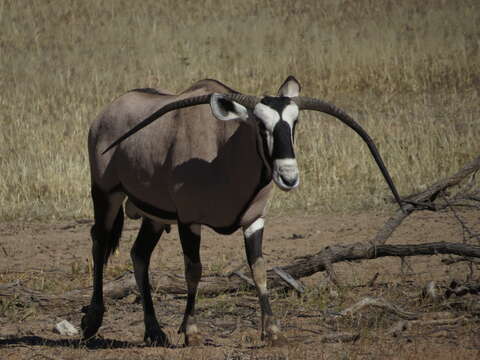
point(290, 87)
point(226, 109)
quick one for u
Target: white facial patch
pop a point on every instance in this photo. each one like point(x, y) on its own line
point(267, 115)
point(290, 114)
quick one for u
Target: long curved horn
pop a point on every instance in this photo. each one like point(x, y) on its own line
point(245, 100)
point(305, 103)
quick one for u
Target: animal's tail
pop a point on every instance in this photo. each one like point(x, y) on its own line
point(109, 239)
point(113, 240)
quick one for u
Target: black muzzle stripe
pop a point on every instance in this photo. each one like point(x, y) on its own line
point(282, 141)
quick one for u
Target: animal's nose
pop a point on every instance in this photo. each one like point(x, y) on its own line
point(290, 181)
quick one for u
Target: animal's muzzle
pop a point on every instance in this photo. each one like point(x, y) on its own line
point(285, 174)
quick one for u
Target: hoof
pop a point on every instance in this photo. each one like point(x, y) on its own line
point(91, 321)
point(157, 338)
point(194, 339)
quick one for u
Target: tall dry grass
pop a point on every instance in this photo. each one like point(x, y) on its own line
point(407, 71)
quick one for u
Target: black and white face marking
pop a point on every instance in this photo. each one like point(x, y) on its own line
point(278, 115)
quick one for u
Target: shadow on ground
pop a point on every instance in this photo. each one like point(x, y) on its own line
point(97, 343)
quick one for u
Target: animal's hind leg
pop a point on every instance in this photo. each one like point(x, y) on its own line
point(106, 234)
point(141, 252)
point(190, 239)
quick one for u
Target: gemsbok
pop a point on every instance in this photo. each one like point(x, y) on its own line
point(209, 157)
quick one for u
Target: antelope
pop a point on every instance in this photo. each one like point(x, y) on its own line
point(210, 160)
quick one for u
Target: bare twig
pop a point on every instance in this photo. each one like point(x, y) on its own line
point(306, 266)
point(380, 303)
point(403, 325)
point(454, 260)
point(243, 277)
point(340, 337)
point(372, 281)
point(296, 285)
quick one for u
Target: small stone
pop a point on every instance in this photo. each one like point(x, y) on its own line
point(430, 291)
point(65, 328)
point(132, 299)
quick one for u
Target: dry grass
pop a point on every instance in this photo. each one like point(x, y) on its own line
point(408, 71)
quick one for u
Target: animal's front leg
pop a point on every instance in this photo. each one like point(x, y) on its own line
point(253, 246)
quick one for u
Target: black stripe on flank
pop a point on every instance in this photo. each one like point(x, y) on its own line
point(152, 210)
point(169, 215)
point(282, 141)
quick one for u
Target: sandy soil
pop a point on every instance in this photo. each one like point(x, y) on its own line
point(55, 258)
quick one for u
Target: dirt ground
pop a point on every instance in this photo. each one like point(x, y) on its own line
point(54, 258)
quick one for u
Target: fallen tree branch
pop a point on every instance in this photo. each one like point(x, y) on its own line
point(380, 303)
point(339, 337)
point(424, 200)
point(403, 325)
point(306, 266)
point(450, 261)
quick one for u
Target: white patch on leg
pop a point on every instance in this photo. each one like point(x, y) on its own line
point(191, 329)
point(260, 275)
point(255, 226)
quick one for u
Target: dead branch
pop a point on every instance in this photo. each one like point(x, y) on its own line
point(374, 278)
point(380, 303)
point(307, 266)
point(424, 200)
point(303, 267)
point(289, 280)
point(403, 325)
point(454, 260)
point(339, 337)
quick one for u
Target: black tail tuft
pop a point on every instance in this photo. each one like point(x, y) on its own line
point(108, 240)
point(114, 236)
